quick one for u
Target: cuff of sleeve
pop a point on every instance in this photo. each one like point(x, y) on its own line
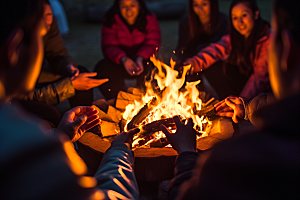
point(185, 161)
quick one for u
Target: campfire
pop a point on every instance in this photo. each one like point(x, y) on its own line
point(164, 100)
point(160, 102)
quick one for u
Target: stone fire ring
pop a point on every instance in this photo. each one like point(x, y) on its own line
point(151, 164)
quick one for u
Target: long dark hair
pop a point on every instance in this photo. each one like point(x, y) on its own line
point(195, 26)
point(141, 21)
point(243, 49)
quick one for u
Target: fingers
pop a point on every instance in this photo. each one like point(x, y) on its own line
point(90, 123)
point(82, 109)
point(217, 105)
point(80, 121)
point(230, 103)
point(132, 132)
point(177, 120)
point(190, 122)
point(165, 131)
point(225, 114)
point(96, 82)
point(89, 74)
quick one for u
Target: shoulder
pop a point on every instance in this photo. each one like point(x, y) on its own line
point(28, 132)
point(151, 17)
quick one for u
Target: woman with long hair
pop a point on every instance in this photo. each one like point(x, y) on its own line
point(130, 35)
point(204, 24)
point(245, 50)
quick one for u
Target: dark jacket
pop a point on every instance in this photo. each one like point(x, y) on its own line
point(188, 47)
point(56, 60)
point(261, 165)
point(36, 165)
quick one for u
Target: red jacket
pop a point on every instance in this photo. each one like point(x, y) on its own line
point(118, 38)
point(258, 82)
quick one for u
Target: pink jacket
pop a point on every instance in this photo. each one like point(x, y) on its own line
point(258, 82)
point(118, 36)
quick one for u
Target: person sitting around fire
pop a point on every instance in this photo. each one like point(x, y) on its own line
point(260, 165)
point(130, 35)
point(237, 64)
point(204, 24)
point(34, 164)
point(61, 77)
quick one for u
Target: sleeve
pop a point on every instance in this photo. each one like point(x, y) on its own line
point(257, 103)
point(258, 82)
point(115, 176)
point(152, 40)
point(213, 53)
point(52, 94)
point(55, 51)
point(184, 166)
point(111, 45)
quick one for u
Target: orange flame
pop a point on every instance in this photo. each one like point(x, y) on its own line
point(173, 102)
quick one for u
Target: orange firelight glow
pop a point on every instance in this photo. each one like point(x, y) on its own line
point(173, 102)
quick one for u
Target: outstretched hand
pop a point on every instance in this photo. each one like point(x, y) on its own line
point(84, 82)
point(77, 121)
point(184, 139)
point(231, 107)
point(125, 137)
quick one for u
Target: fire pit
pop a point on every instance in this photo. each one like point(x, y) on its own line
point(147, 111)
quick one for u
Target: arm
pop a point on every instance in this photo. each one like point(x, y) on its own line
point(210, 54)
point(239, 108)
point(111, 45)
point(52, 94)
point(152, 39)
point(258, 82)
point(184, 166)
point(115, 175)
point(257, 103)
point(55, 51)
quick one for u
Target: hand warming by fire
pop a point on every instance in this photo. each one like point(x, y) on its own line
point(159, 106)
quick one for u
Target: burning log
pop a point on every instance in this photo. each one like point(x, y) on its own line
point(153, 127)
point(208, 109)
point(144, 112)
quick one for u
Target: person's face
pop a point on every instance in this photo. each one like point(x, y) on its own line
point(243, 19)
point(129, 10)
point(202, 9)
point(30, 60)
point(48, 16)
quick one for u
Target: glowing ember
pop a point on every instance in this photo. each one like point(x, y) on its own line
point(173, 102)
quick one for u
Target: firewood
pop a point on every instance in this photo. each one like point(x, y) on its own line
point(208, 109)
point(153, 127)
point(160, 143)
point(144, 111)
